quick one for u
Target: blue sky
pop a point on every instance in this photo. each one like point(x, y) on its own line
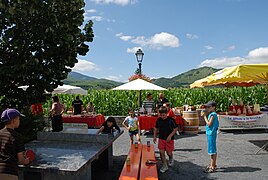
point(175, 36)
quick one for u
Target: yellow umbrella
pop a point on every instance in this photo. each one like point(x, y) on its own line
point(199, 83)
point(241, 75)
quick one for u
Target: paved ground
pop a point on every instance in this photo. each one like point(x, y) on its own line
point(236, 157)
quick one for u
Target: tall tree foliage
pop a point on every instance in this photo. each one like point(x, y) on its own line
point(39, 44)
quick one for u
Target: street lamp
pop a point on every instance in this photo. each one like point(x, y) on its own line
point(139, 55)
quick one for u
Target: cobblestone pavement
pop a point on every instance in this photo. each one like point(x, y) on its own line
point(236, 157)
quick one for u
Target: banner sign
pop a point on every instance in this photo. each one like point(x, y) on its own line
point(243, 122)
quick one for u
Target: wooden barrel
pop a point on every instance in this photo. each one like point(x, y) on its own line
point(190, 122)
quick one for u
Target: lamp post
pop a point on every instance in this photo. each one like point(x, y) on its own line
point(139, 55)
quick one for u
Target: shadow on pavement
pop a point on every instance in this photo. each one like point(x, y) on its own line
point(259, 143)
point(189, 150)
point(183, 150)
point(246, 131)
point(99, 173)
point(183, 170)
point(150, 135)
point(238, 169)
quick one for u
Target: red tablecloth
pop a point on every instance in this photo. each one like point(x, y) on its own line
point(91, 121)
point(148, 122)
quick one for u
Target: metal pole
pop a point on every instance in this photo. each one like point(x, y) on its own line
point(140, 90)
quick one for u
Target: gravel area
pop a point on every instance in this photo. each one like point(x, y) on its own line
point(236, 156)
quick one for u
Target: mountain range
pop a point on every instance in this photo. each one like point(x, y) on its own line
point(181, 80)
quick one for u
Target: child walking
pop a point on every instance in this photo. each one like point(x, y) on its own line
point(131, 123)
point(109, 126)
point(212, 124)
point(166, 128)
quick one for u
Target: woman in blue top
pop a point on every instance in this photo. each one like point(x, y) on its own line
point(212, 124)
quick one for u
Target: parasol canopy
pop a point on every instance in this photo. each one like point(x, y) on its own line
point(68, 89)
point(64, 89)
point(241, 75)
point(139, 84)
point(199, 83)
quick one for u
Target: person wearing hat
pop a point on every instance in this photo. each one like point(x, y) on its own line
point(11, 145)
point(212, 124)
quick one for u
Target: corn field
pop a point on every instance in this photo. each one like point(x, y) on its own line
point(109, 102)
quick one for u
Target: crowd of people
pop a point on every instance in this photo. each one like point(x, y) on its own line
point(12, 147)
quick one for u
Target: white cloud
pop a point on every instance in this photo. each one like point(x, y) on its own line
point(96, 18)
point(259, 53)
point(208, 47)
point(232, 47)
point(109, 29)
point(191, 36)
point(223, 62)
point(126, 38)
point(119, 34)
point(158, 41)
point(87, 12)
point(117, 2)
point(255, 56)
point(114, 78)
point(84, 66)
point(133, 50)
point(90, 11)
point(111, 20)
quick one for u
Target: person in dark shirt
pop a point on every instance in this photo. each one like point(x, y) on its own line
point(161, 100)
point(108, 126)
point(167, 128)
point(77, 106)
point(11, 145)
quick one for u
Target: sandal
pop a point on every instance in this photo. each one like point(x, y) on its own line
point(207, 168)
point(211, 170)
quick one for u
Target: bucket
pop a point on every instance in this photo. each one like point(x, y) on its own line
point(190, 122)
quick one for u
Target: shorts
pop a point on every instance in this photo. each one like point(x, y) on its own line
point(131, 133)
point(164, 145)
point(212, 149)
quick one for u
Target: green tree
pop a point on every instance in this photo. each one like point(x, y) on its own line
point(39, 44)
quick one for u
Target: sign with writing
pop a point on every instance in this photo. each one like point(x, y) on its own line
point(243, 122)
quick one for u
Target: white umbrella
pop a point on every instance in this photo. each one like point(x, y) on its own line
point(68, 89)
point(64, 89)
point(139, 84)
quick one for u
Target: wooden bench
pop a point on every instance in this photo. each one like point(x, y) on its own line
point(148, 172)
point(138, 168)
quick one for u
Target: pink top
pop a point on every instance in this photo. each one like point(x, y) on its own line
point(57, 108)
